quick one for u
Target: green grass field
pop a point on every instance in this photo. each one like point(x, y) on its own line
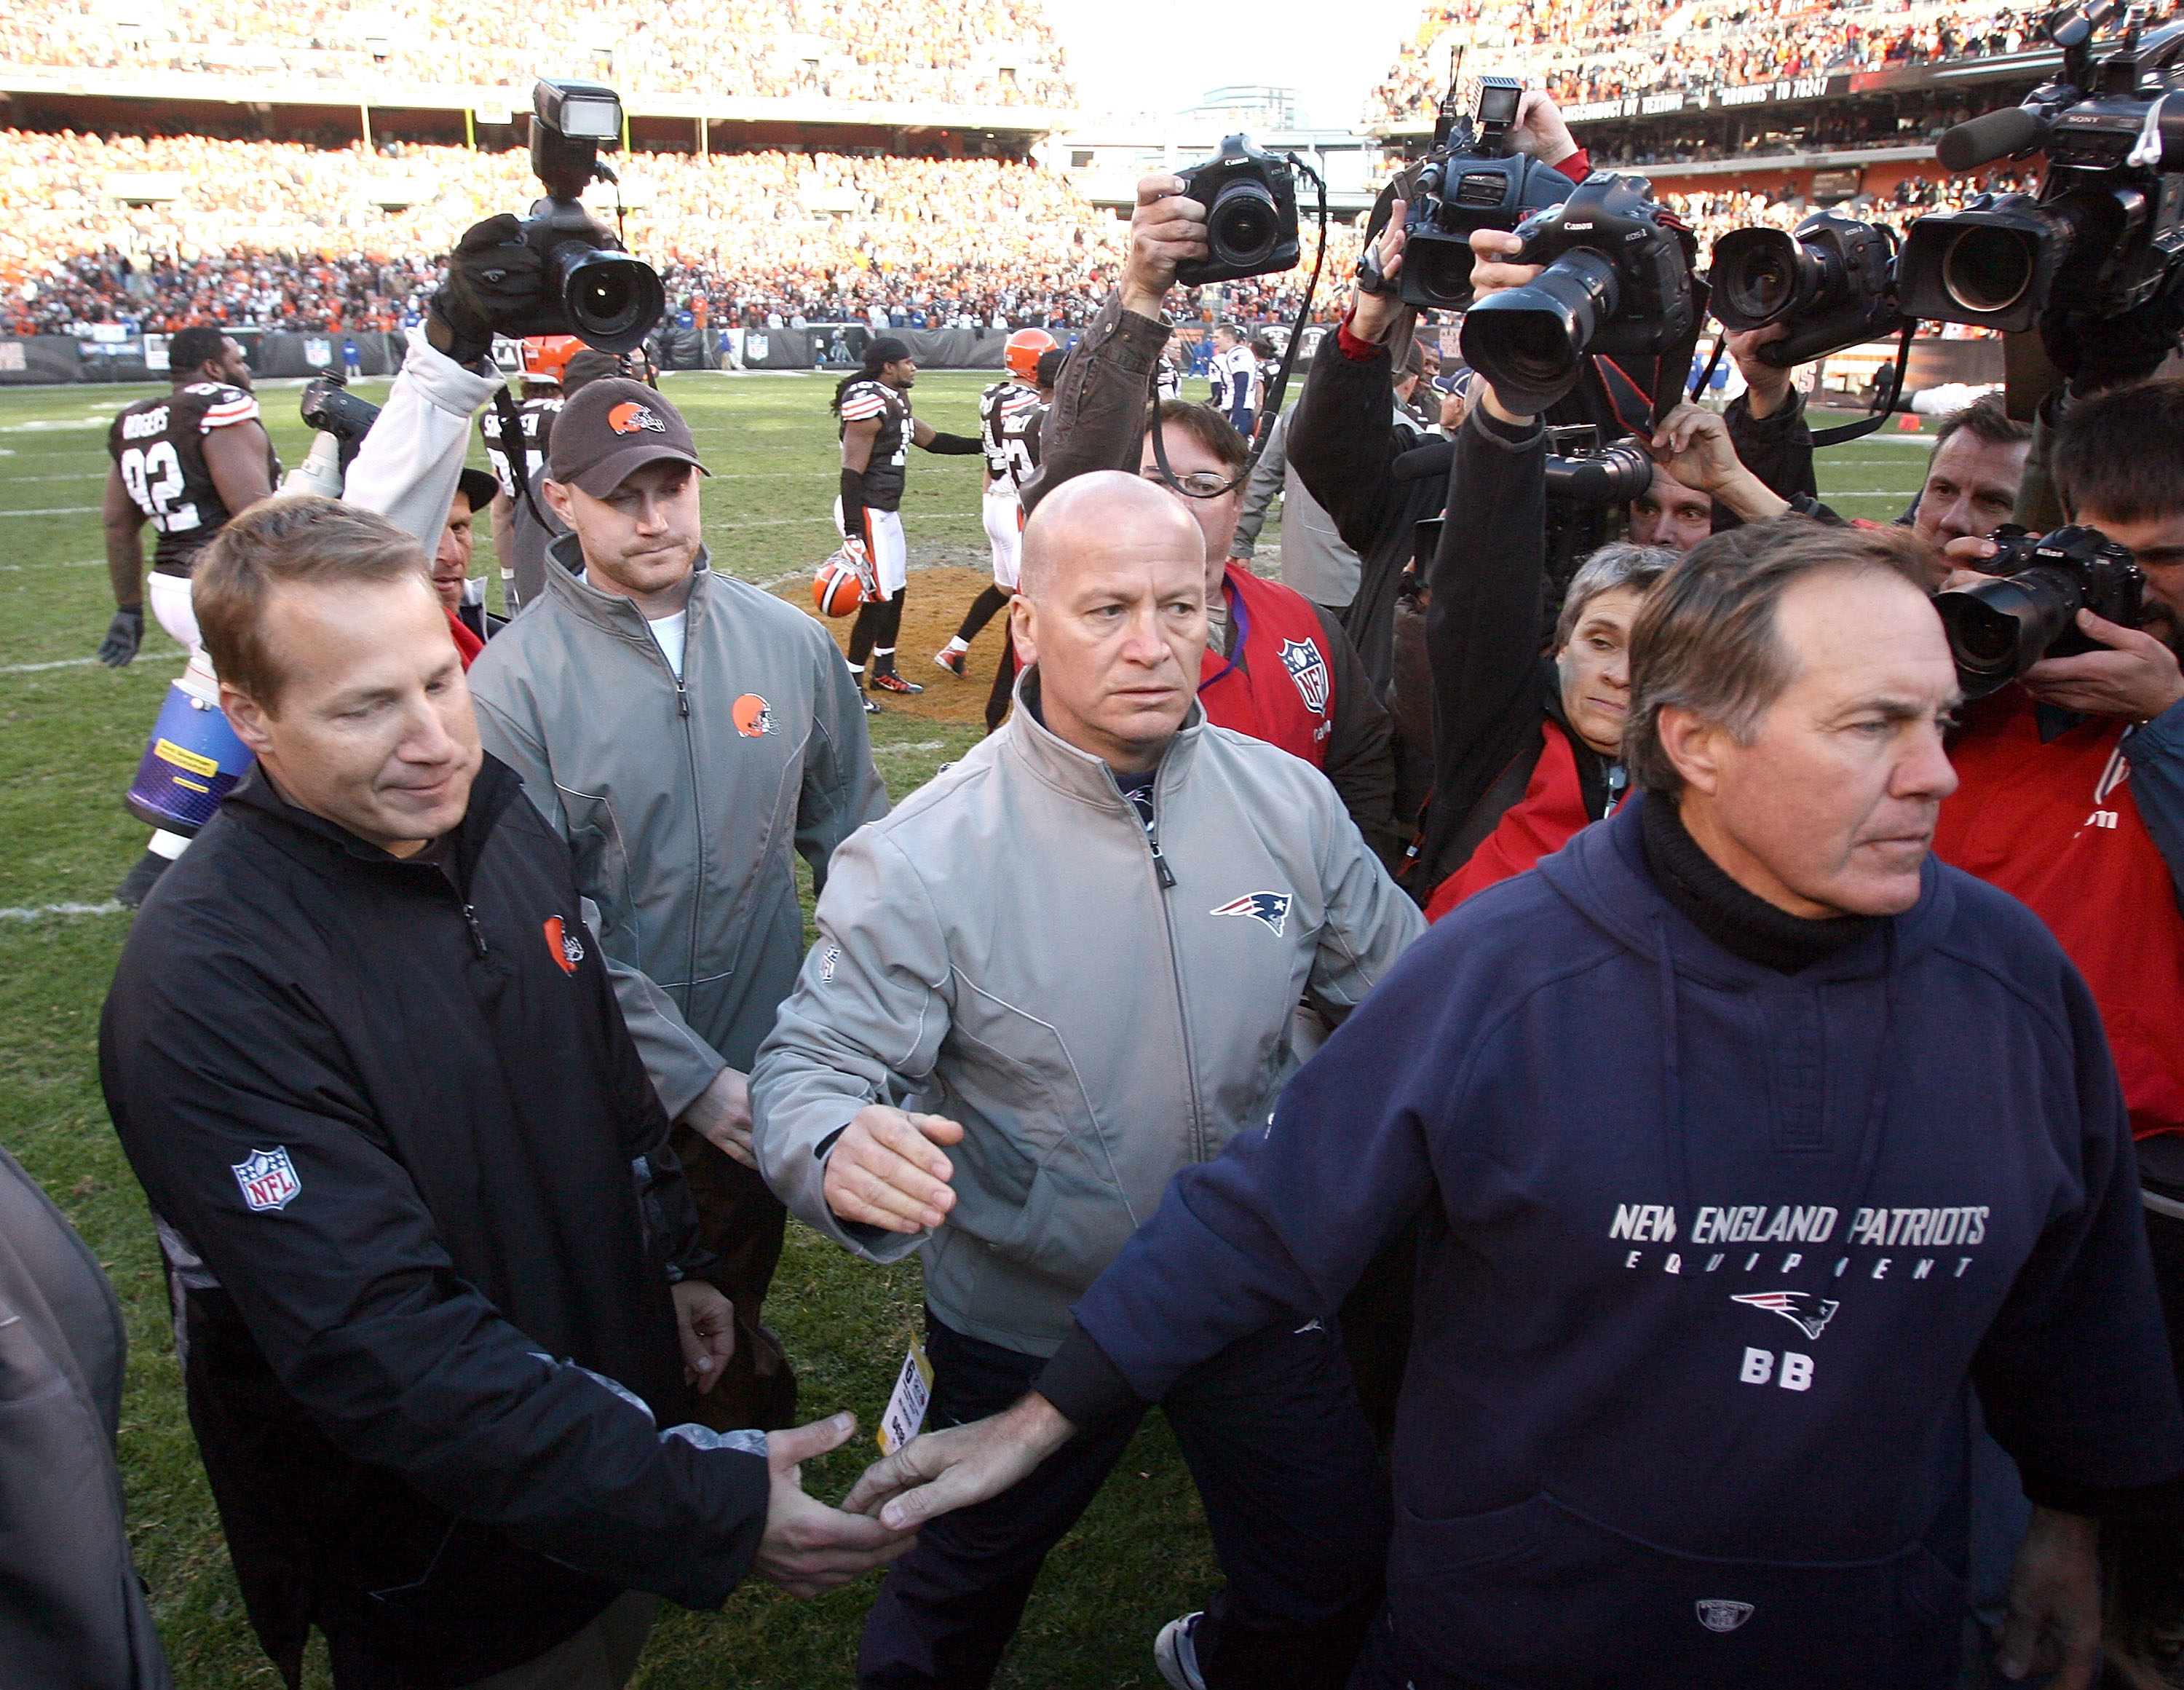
point(74, 732)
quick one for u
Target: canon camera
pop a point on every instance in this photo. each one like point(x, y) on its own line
point(2028, 610)
point(1250, 202)
point(593, 288)
point(1830, 282)
point(1618, 281)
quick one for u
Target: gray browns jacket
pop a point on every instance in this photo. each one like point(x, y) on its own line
point(1098, 1007)
point(681, 800)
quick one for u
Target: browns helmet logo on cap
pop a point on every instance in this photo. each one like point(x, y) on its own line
point(633, 418)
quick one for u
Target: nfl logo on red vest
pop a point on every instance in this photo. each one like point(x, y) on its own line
point(1308, 669)
point(267, 1179)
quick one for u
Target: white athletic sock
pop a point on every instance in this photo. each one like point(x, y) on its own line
point(957, 643)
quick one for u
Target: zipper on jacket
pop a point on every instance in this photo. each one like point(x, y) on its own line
point(478, 932)
point(682, 696)
point(1618, 780)
point(1160, 864)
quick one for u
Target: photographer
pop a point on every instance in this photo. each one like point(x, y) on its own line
point(1327, 709)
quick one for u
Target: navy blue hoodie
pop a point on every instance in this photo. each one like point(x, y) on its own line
point(1709, 1254)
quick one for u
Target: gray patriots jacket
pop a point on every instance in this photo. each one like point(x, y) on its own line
point(682, 800)
point(1099, 1004)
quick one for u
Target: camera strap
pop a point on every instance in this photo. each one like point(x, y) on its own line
point(1884, 397)
point(1273, 407)
point(516, 451)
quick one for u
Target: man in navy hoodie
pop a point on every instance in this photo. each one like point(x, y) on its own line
point(1742, 1136)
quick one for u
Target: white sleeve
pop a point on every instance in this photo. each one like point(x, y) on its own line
point(407, 467)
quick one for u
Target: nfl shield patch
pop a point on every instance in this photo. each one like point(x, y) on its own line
point(1308, 669)
point(1717, 1614)
point(267, 1179)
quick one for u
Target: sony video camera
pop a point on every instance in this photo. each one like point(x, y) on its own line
point(593, 289)
point(1831, 282)
point(1472, 179)
point(1618, 281)
point(2028, 610)
point(1582, 471)
point(1250, 202)
point(2108, 225)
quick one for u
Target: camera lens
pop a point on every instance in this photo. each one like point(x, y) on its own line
point(2000, 629)
point(1755, 276)
point(1243, 226)
point(611, 299)
point(1530, 342)
point(1987, 270)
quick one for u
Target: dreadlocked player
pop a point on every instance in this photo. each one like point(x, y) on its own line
point(1008, 414)
point(878, 431)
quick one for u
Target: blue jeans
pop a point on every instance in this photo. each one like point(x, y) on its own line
point(1294, 1493)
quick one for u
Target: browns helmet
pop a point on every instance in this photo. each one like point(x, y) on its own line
point(1023, 350)
point(546, 356)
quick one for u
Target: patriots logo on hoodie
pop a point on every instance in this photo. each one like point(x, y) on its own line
point(1803, 1309)
point(1270, 907)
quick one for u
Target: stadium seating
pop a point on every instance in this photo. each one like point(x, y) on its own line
point(955, 53)
point(292, 237)
point(1583, 50)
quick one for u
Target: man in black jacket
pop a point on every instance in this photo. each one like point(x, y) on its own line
point(429, 1251)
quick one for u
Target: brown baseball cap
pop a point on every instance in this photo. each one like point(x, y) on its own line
point(610, 429)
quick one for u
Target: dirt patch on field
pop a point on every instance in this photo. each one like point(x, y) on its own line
point(938, 597)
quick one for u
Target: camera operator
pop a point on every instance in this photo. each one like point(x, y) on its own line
point(1973, 474)
point(1326, 710)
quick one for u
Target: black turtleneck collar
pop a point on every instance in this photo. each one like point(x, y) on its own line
point(1741, 922)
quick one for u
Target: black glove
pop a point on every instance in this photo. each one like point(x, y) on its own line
point(494, 282)
point(954, 445)
point(123, 634)
point(2106, 352)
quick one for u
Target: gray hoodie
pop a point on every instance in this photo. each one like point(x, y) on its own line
point(1004, 947)
point(682, 800)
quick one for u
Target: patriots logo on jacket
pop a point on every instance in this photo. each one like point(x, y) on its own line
point(1308, 669)
point(1801, 1308)
point(267, 1179)
point(1270, 907)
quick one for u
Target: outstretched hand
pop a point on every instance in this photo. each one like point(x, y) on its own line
point(808, 1548)
point(940, 1472)
point(887, 1170)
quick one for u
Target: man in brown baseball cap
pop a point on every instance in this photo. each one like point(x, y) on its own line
point(675, 725)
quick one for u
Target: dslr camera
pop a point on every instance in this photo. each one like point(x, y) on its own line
point(2108, 225)
point(1830, 282)
point(1472, 179)
point(1250, 202)
point(1582, 471)
point(1618, 281)
point(593, 289)
point(2028, 609)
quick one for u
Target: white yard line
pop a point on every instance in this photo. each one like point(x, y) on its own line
point(47, 911)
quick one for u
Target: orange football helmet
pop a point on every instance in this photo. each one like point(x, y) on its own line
point(546, 356)
point(1023, 350)
point(836, 589)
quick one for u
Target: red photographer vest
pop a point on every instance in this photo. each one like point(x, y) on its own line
point(2055, 827)
point(1539, 825)
point(1279, 686)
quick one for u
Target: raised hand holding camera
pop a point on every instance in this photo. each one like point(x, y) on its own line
point(1167, 230)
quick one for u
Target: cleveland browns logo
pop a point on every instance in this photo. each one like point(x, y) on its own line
point(563, 947)
point(632, 418)
point(752, 715)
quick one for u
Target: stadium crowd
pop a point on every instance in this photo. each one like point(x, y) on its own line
point(979, 53)
point(279, 235)
point(1585, 50)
